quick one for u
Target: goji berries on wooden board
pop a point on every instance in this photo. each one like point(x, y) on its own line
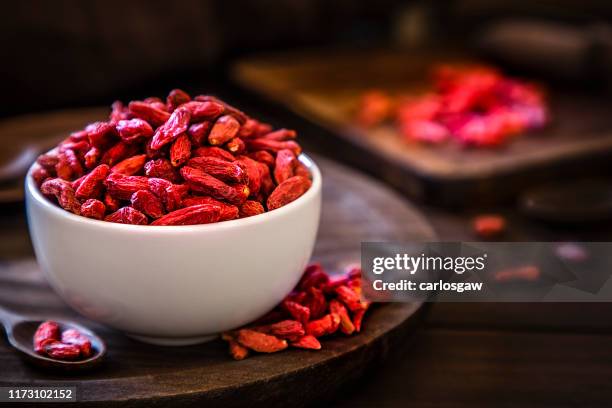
point(475, 105)
point(186, 161)
point(319, 306)
point(70, 344)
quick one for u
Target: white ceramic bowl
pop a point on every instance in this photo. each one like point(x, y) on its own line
point(174, 285)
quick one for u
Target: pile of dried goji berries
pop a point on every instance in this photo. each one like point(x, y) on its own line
point(178, 162)
point(70, 344)
point(319, 306)
point(477, 106)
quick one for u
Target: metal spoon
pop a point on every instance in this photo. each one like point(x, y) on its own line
point(20, 332)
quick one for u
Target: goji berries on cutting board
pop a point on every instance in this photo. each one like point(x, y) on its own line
point(475, 105)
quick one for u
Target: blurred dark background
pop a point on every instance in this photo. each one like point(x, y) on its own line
point(76, 53)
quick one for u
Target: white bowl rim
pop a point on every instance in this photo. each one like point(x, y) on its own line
point(33, 190)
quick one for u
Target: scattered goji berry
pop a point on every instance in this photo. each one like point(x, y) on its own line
point(76, 338)
point(260, 342)
point(489, 226)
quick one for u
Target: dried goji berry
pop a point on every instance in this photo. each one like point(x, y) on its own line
point(197, 214)
point(180, 151)
point(63, 192)
point(122, 187)
point(297, 311)
point(101, 134)
point(315, 300)
point(127, 215)
point(76, 338)
point(133, 129)
point(161, 168)
point(260, 342)
point(198, 132)
point(92, 157)
point(118, 112)
point(285, 329)
point(346, 325)
point(288, 191)
point(203, 110)
point(213, 151)
point(130, 166)
point(47, 332)
point(91, 185)
point(273, 145)
point(175, 98)
point(228, 211)
point(205, 183)
point(118, 152)
point(307, 342)
point(264, 157)
point(236, 146)
point(224, 129)
point(93, 208)
point(285, 165)
point(62, 351)
point(146, 111)
point(147, 203)
point(40, 174)
point(112, 204)
point(250, 208)
point(350, 298)
point(219, 168)
point(328, 324)
point(237, 351)
point(253, 173)
point(170, 130)
point(489, 226)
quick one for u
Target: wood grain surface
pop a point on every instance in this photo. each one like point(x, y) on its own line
point(325, 88)
point(355, 208)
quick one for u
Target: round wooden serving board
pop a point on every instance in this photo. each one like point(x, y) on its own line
point(355, 209)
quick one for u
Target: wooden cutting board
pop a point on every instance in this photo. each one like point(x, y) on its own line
point(355, 208)
point(325, 87)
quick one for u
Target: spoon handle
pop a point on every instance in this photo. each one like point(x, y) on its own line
point(8, 318)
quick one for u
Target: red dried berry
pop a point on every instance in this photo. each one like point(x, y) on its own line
point(197, 214)
point(169, 131)
point(63, 192)
point(204, 183)
point(122, 187)
point(198, 132)
point(130, 166)
point(47, 332)
point(133, 129)
point(307, 342)
point(180, 151)
point(250, 208)
point(219, 168)
point(93, 208)
point(260, 342)
point(147, 203)
point(91, 185)
point(224, 129)
point(62, 351)
point(176, 98)
point(76, 338)
point(127, 215)
point(288, 191)
point(146, 111)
